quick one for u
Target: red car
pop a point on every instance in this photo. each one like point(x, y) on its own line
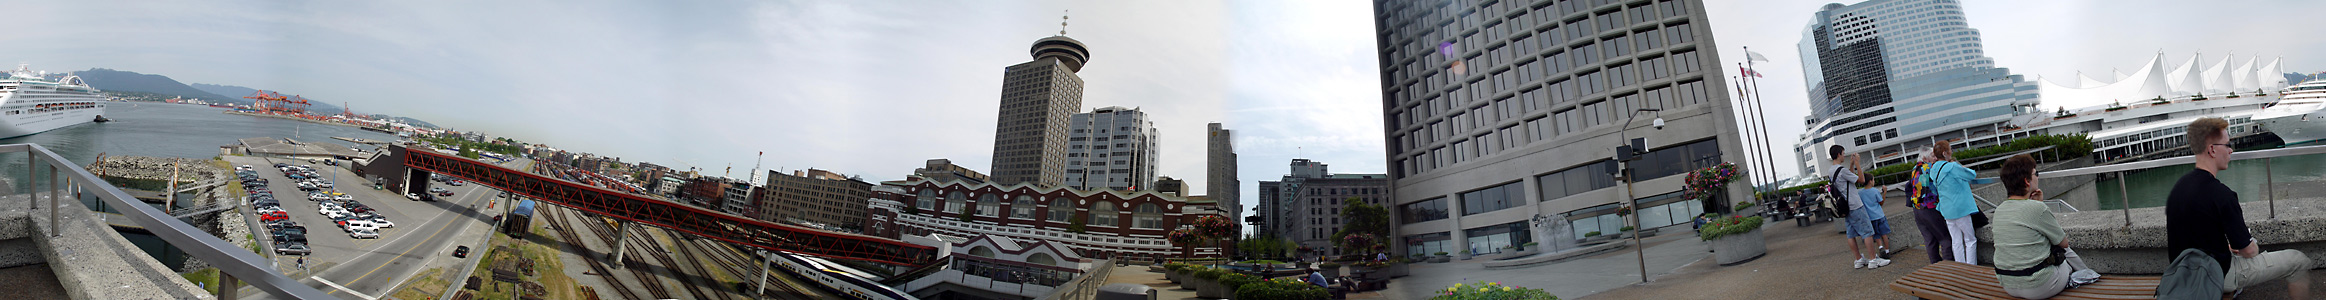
point(272, 217)
point(444, 193)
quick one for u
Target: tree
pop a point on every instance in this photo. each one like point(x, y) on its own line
point(1265, 246)
point(1358, 217)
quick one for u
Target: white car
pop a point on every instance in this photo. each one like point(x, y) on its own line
point(343, 197)
point(363, 234)
point(382, 222)
point(335, 214)
point(356, 225)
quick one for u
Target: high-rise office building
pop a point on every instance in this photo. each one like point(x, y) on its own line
point(1502, 117)
point(1029, 139)
point(1280, 200)
point(1886, 77)
point(1220, 181)
point(816, 196)
point(1111, 148)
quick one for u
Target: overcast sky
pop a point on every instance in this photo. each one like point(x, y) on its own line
point(874, 88)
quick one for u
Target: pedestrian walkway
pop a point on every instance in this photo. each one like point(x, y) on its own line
point(1675, 247)
point(1164, 289)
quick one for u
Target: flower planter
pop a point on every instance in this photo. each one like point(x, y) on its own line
point(1384, 272)
point(1441, 259)
point(1212, 289)
point(1739, 248)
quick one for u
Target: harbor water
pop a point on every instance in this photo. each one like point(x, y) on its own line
point(2254, 180)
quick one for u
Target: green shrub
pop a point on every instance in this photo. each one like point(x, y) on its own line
point(1281, 289)
point(1234, 281)
point(1210, 273)
point(1727, 226)
point(1625, 229)
point(1591, 234)
point(1491, 290)
point(1440, 253)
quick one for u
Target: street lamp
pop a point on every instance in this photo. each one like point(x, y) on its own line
point(1626, 153)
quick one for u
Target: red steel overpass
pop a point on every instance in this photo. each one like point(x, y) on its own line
point(666, 214)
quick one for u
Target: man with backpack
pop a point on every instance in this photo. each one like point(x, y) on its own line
point(2202, 213)
point(1842, 187)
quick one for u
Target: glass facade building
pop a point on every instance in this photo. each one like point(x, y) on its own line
point(1890, 76)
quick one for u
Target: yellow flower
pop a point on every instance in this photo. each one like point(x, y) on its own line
point(1457, 285)
point(1482, 290)
point(1493, 283)
point(1506, 289)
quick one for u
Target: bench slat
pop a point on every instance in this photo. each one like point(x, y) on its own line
point(1954, 280)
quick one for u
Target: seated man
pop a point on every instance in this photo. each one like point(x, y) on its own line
point(1318, 279)
point(2027, 239)
point(2203, 214)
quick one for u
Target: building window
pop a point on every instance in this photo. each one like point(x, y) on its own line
point(1148, 216)
point(1426, 210)
point(989, 205)
point(1103, 214)
point(1061, 210)
point(1428, 243)
point(954, 202)
point(928, 199)
point(1679, 159)
point(1577, 180)
point(1493, 198)
point(1491, 239)
point(1023, 208)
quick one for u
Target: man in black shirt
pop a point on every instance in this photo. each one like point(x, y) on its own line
point(2203, 214)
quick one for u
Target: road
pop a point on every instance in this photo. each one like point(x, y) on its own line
point(372, 267)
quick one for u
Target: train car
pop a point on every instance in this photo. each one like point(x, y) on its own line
point(520, 218)
point(842, 280)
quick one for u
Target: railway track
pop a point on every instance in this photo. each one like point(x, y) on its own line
point(691, 260)
point(646, 241)
point(653, 286)
point(565, 231)
point(735, 265)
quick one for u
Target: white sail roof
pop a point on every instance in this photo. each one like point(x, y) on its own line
point(2153, 80)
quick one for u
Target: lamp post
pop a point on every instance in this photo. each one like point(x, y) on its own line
point(1626, 153)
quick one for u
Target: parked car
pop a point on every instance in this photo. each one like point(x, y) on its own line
point(382, 222)
point(444, 193)
point(292, 249)
point(460, 252)
point(264, 218)
point(364, 234)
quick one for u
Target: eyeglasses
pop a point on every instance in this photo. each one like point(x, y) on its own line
point(2224, 145)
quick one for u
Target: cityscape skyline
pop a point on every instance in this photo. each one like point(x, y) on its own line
point(238, 39)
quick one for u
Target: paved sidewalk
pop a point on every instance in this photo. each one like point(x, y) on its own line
point(1674, 248)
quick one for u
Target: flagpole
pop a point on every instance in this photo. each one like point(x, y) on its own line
point(1760, 108)
point(1745, 113)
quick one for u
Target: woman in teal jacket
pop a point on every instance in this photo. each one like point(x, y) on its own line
point(1953, 183)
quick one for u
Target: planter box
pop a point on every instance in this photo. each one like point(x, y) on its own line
point(1212, 289)
point(1739, 248)
point(1441, 259)
point(1174, 276)
point(1386, 272)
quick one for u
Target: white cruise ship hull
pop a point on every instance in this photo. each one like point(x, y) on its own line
point(2295, 124)
point(31, 123)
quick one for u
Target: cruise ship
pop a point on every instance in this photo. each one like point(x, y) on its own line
point(30, 104)
point(2299, 115)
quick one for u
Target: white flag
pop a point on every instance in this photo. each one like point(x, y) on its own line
point(1754, 56)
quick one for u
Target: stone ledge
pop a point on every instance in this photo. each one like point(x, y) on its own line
point(93, 262)
point(2109, 246)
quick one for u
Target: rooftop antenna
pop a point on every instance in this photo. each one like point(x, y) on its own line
point(1062, 22)
point(755, 167)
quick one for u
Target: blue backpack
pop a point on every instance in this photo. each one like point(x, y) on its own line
point(2193, 275)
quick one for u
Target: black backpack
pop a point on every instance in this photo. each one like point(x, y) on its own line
point(2192, 275)
point(1834, 196)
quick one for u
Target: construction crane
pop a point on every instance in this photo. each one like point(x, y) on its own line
point(272, 102)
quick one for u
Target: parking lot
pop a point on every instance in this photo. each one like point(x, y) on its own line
point(328, 244)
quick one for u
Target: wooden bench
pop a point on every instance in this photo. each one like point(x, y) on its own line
point(1955, 280)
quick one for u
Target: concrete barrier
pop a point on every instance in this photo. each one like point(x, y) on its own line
point(2108, 246)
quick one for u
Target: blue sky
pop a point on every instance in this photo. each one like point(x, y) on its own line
point(874, 88)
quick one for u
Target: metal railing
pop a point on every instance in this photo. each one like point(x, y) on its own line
point(233, 261)
point(1085, 287)
point(2119, 171)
